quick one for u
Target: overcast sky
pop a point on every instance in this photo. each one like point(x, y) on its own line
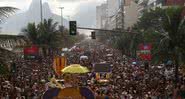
point(84, 11)
point(72, 7)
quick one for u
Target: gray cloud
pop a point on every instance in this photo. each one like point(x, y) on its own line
point(86, 14)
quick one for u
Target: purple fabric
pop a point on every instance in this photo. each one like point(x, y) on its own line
point(51, 93)
point(87, 93)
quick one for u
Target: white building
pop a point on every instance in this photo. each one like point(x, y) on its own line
point(101, 16)
point(131, 14)
point(110, 15)
point(112, 8)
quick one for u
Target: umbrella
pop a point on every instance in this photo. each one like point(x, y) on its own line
point(75, 68)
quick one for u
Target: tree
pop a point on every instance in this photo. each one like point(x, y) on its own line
point(31, 32)
point(165, 29)
point(123, 43)
point(47, 33)
point(43, 34)
point(65, 37)
point(49, 37)
point(173, 24)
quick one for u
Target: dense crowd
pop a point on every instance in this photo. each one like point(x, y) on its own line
point(127, 81)
point(27, 81)
point(133, 81)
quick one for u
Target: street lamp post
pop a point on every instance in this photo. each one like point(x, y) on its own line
point(61, 15)
point(41, 16)
point(123, 14)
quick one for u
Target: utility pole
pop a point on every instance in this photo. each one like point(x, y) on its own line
point(61, 15)
point(41, 16)
point(122, 14)
point(116, 21)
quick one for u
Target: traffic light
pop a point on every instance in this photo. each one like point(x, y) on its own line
point(93, 35)
point(72, 27)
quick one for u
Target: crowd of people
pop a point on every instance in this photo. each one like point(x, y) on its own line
point(127, 80)
point(28, 80)
point(133, 81)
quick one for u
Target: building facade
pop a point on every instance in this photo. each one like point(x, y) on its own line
point(116, 14)
point(101, 16)
point(175, 2)
point(152, 4)
point(131, 14)
point(113, 7)
point(119, 14)
point(128, 15)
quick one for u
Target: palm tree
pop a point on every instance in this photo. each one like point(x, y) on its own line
point(31, 32)
point(47, 33)
point(44, 34)
point(173, 42)
point(64, 36)
point(165, 29)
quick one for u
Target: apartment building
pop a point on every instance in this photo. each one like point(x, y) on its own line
point(101, 16)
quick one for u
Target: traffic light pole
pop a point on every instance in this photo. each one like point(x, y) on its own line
point(116, 31)
point(61, 8)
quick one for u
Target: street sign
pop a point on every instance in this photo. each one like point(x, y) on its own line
point(31, 52)
point(145, 51)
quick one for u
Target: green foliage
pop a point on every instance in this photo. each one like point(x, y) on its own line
point(49, 36)
point(124, 42)
point(151, 20)
point(47, 33)
point(172, 43)
point(3, 70)
point(174, 25)
point(31, 32)
point(163, 28)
